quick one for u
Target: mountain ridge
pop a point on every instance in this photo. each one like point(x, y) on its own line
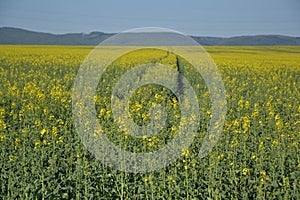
point(18, 36)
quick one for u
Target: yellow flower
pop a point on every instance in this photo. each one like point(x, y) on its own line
point(294, 144)
point(173, 128)
point(25, 131)
point(11, 158)
point(2, 112)
point(240, 103)
point(2, 124)
point(148, 178)
point(275, 143)
point(60, 121)
point(54, 130)
point(37, 144)
point(255, 113)
point(208, 112)
point(37, 122)
point(43, 132)
point(64, 99)
point(151, 143)
point(185, 153)
point(193, 162)
point(247, 104)
point(17, 141)
point(221, 156)
point(144, 116)
point(2, 137)
point(51, 117)
point(170, 178)
point(102, 111)
point(158, 96)
point(246, 124)
point(138, 106)
point(279, 124)
point(46, 111)
point(144, 137)
point(263, 173)
point(246, 171)
point(60, 140)
point(236, 123)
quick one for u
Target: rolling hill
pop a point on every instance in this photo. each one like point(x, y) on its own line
point(9, 35)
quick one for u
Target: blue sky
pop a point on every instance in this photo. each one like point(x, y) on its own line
point(195, 17)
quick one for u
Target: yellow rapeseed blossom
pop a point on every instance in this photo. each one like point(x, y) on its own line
point(170, 178)
point(17, 141)
point(2, 124)
point(263, 173)
point(263, 110)
point(246, 171)
point(54, 131)
point(2, 137)
point(275, 143)
point(51, 117)
point(43, 132)
point(247, 104)
point(37, 144)
point(60, 140)
point(221, 156)
point(11, 158)
point(246, 124)
point(185, 153)
point(173, 128)
point(255, 113)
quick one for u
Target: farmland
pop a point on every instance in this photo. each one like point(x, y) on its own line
point(256, 157)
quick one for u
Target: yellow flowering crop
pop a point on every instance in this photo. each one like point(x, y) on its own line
point(256, 157)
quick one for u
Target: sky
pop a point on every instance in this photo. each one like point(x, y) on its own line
point(221, 18)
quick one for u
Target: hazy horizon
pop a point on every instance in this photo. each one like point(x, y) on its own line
point(158, 27)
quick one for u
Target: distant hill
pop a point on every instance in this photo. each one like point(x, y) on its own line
point(20, 36)
point(9, 35)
